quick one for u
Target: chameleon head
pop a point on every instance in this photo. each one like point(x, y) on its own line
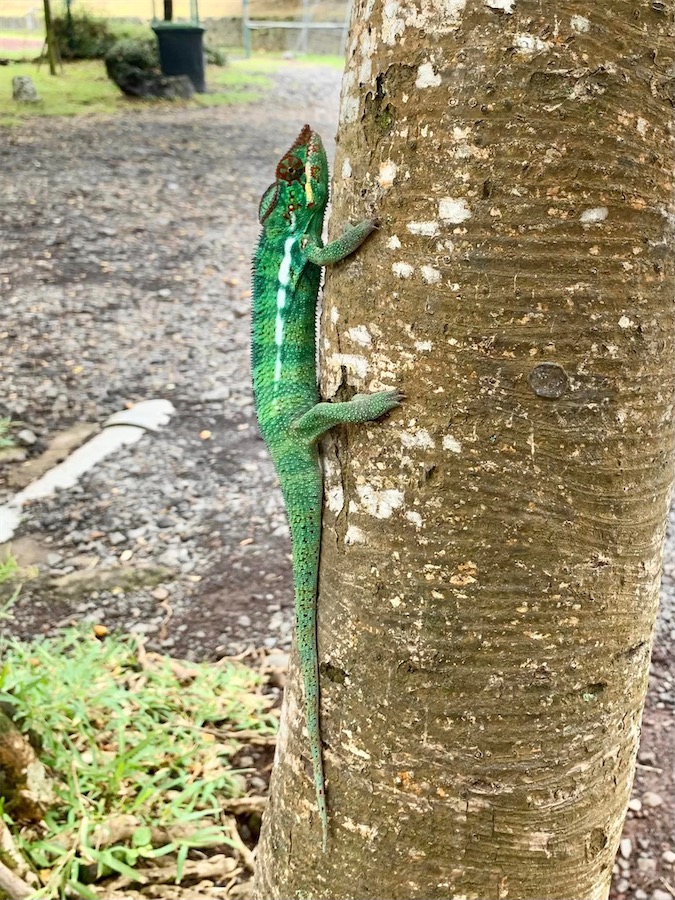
point(300, 192)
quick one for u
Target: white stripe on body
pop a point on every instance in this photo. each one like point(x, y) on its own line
point(284, 279)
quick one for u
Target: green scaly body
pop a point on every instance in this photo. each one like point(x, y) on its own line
point(286, 276)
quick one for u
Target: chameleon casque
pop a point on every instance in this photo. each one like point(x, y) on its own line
point(286, 275)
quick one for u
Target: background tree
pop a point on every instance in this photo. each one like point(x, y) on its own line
point(491, 554)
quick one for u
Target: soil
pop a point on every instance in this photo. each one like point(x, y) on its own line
point(125, 276)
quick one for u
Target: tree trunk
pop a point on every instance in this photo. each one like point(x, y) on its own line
point(491, 553)
point(49, 37)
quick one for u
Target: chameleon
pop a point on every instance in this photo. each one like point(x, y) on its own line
point(287, 269)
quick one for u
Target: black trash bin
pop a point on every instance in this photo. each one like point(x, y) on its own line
point(181, 51)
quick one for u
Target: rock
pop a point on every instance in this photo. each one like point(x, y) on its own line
point(160, 593)
point(640, 894)
point(626, 847)
point(26, 437)
point(635, 804)
point(668, 856)
point(12, 454)
point(276, 622)
point(647, 864)
point(622, 885)
point(143, 628)
point(117, 538)
point(148, 414)
point(83, 584)
point(148, 85)
point(222, 392)
point(60, 446)
point(652, 799)
point(244, 621)
point(647, 758)
point(277, 660)
point(658, 894)
point(53, 559)
point(23, 89)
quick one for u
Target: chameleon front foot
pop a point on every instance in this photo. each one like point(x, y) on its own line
point(361, 408)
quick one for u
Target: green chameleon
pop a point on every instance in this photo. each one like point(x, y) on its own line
point(286, 275)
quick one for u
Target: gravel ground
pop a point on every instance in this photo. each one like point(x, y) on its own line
point(125, 276)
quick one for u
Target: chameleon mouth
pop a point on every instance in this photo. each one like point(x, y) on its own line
point(309, 193)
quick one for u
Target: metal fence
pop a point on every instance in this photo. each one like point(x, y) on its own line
point(29, 22)
point(303, 27)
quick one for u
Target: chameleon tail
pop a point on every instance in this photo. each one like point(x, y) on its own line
point(303, 493)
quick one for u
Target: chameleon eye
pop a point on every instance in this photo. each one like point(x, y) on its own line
point(267, 202)
point(290, 168)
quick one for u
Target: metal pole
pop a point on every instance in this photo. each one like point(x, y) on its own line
point(245, 29)
point(304, 44)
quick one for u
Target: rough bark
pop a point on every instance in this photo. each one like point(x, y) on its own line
point(491, 554)
point(25, 785)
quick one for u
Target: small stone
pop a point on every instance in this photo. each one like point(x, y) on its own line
point(246, 762)
point(53, 559)
point(626, 847)
point(117, 538)
point(164, 292)
point(668, 856)
point(160, 593)
point(658, 894)
point(165, 522)
point(652, 799)
point(143, 628)
point(23, 89)
point(26, 437)
point(622, 885)
point(277, 660)
point(647, 758)
point(170, 558)
point(635, 804)
point(221, 392)
point(244, 621)
point(640, 894)
point(647, 864)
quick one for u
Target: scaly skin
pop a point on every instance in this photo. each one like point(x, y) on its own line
point(286, 274)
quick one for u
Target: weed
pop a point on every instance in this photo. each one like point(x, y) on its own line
point(6, 439)
point(133, 738)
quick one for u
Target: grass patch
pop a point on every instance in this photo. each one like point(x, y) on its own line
point(9, 589)
point(83, 88)
point(142, 749)
point(6, 439)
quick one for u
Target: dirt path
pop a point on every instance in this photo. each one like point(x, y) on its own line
point(125, 276)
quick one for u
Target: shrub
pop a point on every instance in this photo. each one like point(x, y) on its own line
point(214, 57)
point(132, 53)
point(82, 36)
